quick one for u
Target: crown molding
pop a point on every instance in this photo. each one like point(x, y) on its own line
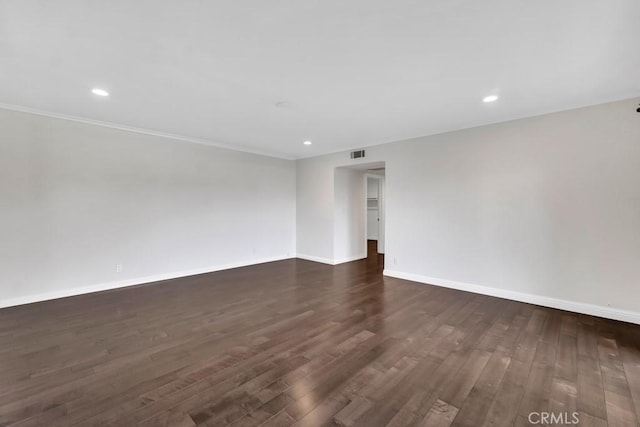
point(133, 129)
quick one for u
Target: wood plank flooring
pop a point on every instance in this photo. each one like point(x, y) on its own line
point(300, 343)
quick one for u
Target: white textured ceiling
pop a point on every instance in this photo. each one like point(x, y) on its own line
point(266, 75)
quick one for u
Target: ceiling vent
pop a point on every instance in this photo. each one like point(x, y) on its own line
point(357, 154)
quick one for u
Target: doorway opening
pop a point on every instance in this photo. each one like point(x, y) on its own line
point(375, 213)
point(359, 215)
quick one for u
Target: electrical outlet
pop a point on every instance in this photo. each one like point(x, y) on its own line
point(395, 261)
point(118, 268)
point(253, 250)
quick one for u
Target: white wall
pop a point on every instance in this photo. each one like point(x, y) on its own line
point(373, 213)
point(545, 209)
point(381, 215)
point(349, 215)
point(372, 188)
point(314, 209)
point(372, 224)
point(77, 199)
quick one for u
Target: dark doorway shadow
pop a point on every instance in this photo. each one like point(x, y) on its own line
point(375, 261)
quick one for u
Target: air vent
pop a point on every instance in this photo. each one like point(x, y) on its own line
point(357, 154)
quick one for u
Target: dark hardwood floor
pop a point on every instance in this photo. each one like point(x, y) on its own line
point(296, 342)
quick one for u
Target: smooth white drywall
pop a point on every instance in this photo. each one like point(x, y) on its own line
point(381, 215)
point(77, 199)
point(372, 188)
point(372, 224)
point(546, 206)
point(349, 215)
point(545, 209)
point(314, 211)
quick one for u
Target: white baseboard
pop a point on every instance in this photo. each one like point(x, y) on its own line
point(343, 260)
point(330, 261)
point(315, 259)
point(577, 307)
point(130, 282)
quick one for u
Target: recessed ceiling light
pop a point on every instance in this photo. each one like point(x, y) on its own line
point(99, 92)
point(490, 98)
point(307, 143)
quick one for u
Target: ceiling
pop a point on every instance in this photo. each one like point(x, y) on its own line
point(264, 76)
